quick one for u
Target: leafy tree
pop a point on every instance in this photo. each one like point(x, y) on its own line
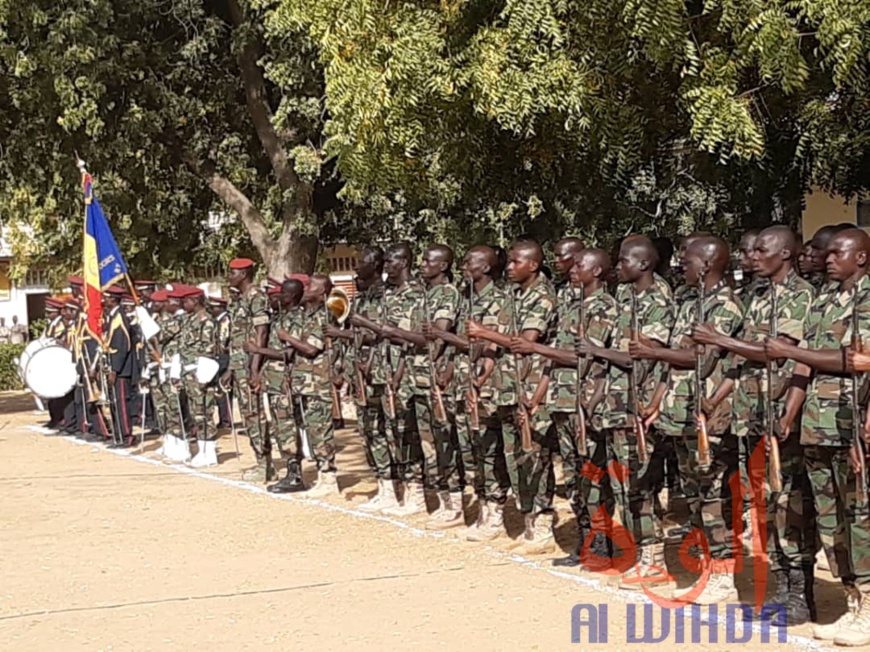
point(173, 107)
point(594, 117)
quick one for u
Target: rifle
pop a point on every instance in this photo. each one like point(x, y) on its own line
point(359, 370)
point(333, 390)
point(582, 368)
point(700, 419)
point(522, 412)
point(633, 390)
point(390, 395)
point(857, 435)
point(438, 410)
point(775, 470)
point(473, 411)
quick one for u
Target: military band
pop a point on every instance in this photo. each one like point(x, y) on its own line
point(747, 375)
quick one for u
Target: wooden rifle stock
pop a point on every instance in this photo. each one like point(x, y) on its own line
point(775, 468)
point(704, 460)
point(472, 399)
point(582, 367)
point(438, 410)
point(857, 421)
point(633, 389)
point(333, 390)
point(523, 415)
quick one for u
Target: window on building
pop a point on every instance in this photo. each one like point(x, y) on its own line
point(36, 278)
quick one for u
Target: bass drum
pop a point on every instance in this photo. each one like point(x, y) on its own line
point(47, 368)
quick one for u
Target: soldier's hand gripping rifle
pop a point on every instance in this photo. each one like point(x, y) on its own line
point(473, 406)
point(775, 470)
point(582, 369)
point(439, 412)
point(523, 415)
point(633, 389)
point(857, 421)
point(700, 419)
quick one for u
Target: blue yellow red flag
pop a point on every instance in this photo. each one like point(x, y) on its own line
point(103, 263)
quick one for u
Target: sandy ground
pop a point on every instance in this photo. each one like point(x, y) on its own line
point(108, 551)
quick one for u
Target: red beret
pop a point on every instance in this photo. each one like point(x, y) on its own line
point(53, 303)
point(115, 290)
point(273, 281)
point(75, 280)
point(302, 278)
point(175, 291)
point(128, 299)
point(159, 295)
point(241, 263)
point(195, 292)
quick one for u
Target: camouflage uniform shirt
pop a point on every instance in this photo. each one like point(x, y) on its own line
point(827, 417)
point(723, 311)
point(535, 310)
point(599, 316)
point(311, 375)
point(248, 312)
point(655, 320)
point(794, 296)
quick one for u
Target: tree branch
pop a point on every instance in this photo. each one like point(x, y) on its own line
point(238, 201)
point(258, 105)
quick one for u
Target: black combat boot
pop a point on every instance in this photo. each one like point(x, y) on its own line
point(290, 483)
point(797, 609)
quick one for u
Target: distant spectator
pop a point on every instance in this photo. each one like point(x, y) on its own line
point(19, 331)
point(5, 332)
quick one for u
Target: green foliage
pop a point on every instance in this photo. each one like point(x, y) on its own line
point(8, 369)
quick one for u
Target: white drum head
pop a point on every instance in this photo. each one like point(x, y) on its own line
point(206, 370)
point(51, 372)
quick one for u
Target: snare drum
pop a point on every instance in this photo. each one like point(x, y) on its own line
point(47, 368)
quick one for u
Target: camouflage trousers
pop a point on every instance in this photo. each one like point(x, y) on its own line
point(531, 473)
point(564, 431)
point(586, 479)
point(438, 444)
point(405, 435)
point(481, 453)
point(178, 421)
point(843, 523)
point(280, 425)
point(708, 492)
point(790, 513)
point(635, 493)
point(313, 415)
point(161, 402)
point(250, 408)
point(201, 405)
point(373, 427)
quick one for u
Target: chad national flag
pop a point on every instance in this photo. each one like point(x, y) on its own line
point(103, 264)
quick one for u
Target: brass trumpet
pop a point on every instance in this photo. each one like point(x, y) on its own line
point(338, 303)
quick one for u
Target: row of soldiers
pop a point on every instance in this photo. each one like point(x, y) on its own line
point(476, 389)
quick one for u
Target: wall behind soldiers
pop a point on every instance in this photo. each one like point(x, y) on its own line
point(821, 209)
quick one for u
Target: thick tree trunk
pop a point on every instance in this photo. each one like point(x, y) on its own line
point(293, 254)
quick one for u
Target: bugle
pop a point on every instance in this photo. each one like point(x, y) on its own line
point(700, 419)
point(775, 469)
point(633, 389)
point(582, 368)
point(857, 421)
point(523, 415)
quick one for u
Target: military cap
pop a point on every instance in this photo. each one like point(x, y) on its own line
point(241, 263)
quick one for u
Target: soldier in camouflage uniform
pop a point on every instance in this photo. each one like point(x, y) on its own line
point(198, 338)
point(250, 323)
point(402, 300)
point(634, 494)
point(476, 375)
point(311, 380)
point(175, 418)
point(367, 376)
point(598, 309)
point(223, 396)
point(564, 253)
point(438, 305)
point(532, 302)
point(749, 285)
point(789, 513)
point(827, 426)
point(276, 374)
point(706, 489)
point(816, 255)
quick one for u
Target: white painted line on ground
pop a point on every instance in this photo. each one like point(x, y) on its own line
point(801, 642)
